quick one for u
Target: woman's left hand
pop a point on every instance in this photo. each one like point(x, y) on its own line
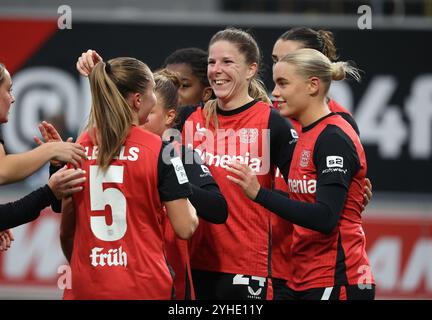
point(6, 238)
point(246, 178)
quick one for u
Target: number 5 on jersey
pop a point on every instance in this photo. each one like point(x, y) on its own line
point(99, 198)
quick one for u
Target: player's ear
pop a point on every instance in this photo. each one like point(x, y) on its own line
point(207, 94)
point(252, 70)
point(314, 84)
point(170, 117)
point(135, 100)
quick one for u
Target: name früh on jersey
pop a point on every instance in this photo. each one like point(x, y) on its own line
point(114, 257)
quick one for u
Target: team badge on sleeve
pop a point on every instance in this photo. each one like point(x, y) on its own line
point(179, 170)
point(334, 162)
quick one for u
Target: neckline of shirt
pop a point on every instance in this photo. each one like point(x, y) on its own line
point(237, 110)
point(312, 125)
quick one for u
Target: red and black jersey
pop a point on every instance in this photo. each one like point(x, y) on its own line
point(281, 228)
point(337, 108)
point(119, 250)
point(334, 107)
point(177, 249)
point(329, 152)
point(344, 113)
point(252, 134)
point(281, 246)
point(177, 253)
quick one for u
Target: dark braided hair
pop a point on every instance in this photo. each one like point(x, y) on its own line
point(321, 40)
point(195, 58)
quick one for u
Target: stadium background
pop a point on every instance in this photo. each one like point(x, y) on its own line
point(392, 106)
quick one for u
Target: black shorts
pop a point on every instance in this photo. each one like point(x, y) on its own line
point(337, 292)
point(280, 289)
point(210, 285)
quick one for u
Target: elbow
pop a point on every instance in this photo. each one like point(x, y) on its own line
point(327, 231)
point(329, 228)
point(222, 215)
point(331, 220)
point(218, 214)
point(65, 236)
point(66, 243)
point(67, 248)
point(67, 232)
point(186, 233)
point(3, 178)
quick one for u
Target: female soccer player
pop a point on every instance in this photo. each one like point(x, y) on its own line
point(326, 180)
point(231, 261)
point(118, 247)
point(191, 65)
point(206, 197)
point(291, 40)
point(16, 167)
point(321, 40)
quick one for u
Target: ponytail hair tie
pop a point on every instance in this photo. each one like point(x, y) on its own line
point(107, 67)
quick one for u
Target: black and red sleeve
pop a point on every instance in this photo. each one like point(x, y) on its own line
point(173, 183)
point(336, 162)
point(183, 114)
point(283, 138)
point(206, 197)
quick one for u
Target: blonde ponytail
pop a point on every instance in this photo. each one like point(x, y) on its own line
point(339, 71)
point(258, 91)
point(111, 116)
point(210, 113)
point(312, 63)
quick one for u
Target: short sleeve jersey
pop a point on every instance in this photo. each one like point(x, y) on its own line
point(177, 249)
point(119, 250)
point(282, 229)
point(329, 152)
point(249, 135)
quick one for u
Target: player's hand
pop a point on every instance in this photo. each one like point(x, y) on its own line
point(66, 152)
point(87, 61)
point(245, 178)
point(50, 134)
point(6, 238)
point(66, 182)
point(367, 196)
